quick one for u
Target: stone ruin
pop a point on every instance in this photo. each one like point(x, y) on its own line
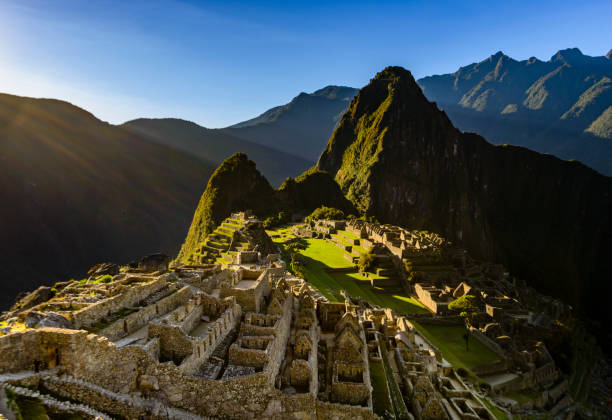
point(236, 342)
point(247, 339)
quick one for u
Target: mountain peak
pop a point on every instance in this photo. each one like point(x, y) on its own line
point(498, 55)
point(609, 55)
point(568, 55)
point(336, 92)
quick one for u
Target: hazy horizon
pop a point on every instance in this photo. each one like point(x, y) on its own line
point(220, 63)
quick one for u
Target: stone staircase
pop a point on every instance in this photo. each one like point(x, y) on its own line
point(219, 245)
point(57, 405)
point(152, 407)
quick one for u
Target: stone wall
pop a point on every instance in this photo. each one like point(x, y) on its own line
point(492, 345)
point(251, 299)
point(139, 319)
point(127, 298)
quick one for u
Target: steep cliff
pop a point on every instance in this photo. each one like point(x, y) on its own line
point(399, 158)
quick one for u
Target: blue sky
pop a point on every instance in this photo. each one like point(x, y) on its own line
point(218, 63)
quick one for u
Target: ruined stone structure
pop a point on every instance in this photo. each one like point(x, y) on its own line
point(247, 339)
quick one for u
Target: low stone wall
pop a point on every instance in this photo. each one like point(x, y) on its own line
point(250, 300)
point(55, 405)
point(137, 320)
point(499, 366)
point(126, 406)
point(204, 347)
point(327, 410)
point(130, 297)
point(492, 345)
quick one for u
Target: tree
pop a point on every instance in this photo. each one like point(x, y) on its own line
point(325, 213)
point(466, 303)
point(366, 262)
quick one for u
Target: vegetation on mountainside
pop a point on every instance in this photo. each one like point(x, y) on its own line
point(237, 185)
point(311, 190)
point(324, 212)
point(279, 219)
point(602, 126)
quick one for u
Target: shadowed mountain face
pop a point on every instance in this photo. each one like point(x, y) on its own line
point(399, 158)
point(302, 126)
point(213, 146)
point(76, 191)
point(562, 106)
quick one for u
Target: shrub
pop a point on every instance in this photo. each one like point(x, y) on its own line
point(107, 278)
point(274, 221)
point(325, 213)
point(367, 261)
point(466, 303)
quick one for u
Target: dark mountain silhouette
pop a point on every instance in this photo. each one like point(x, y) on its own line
point(562, 106)
point(76, 191)
point(213, 146)
point(397, 157)
point(301, 127)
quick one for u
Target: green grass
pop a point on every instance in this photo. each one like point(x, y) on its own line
point(449, 339)
point(499, 414)
point(31, 409)
point(348, 234)
point(320, 255)
point(401, 412)
point(380, 390)
point(359, 286)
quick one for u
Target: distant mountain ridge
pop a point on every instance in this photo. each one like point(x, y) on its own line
point(213, 146)
point(562, 106)
point(302, 126)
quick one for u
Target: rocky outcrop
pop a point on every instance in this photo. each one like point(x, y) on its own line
point(38, 296)
point(397, 157)
point(102, 269)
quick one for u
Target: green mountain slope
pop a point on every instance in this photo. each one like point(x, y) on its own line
point(302, 126)
point(399, 158)
point(213, 146)
point(237, 185)
point(77, 191)
point(548, 106)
